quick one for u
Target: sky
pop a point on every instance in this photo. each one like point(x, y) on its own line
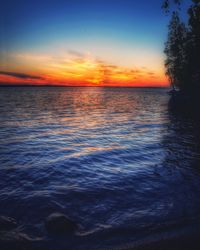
point(82, 42)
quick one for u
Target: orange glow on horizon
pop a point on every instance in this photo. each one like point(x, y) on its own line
point(76, 71)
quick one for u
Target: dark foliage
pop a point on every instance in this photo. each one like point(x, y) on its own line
point(182, 48)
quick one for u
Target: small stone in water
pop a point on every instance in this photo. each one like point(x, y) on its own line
point(58, 223)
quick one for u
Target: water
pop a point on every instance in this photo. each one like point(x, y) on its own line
point(117, 161)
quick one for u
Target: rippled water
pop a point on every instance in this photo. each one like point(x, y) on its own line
point(118, 161)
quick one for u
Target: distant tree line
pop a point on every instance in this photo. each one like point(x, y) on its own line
point(182, 48)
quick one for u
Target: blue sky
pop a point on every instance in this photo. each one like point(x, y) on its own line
point(36, 24)
point(128, 33)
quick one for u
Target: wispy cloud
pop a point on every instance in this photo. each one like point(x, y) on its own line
point(75, 53)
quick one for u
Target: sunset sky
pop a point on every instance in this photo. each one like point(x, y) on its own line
point(82, 42)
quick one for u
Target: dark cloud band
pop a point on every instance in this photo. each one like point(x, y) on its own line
point(20, 75)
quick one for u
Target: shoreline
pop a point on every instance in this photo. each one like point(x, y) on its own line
point(191, 242)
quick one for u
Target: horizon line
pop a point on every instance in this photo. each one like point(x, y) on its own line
point(78, 86)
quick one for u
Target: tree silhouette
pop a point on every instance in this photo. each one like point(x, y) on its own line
point(194, 38)
point(175, 51)
point(182, 48)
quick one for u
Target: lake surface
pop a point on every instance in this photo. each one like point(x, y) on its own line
point(118, 161)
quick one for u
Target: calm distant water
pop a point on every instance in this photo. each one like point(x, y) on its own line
point(118, 161)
